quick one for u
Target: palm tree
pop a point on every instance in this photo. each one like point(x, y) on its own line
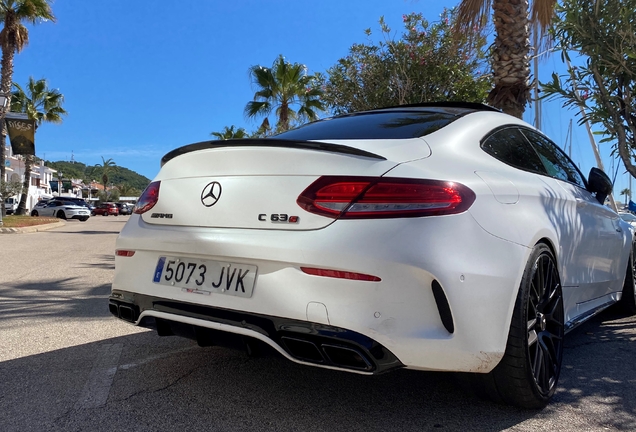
point(281, 87)
point(105, 170)
point(127, 190)
point(41, 104)
point(229, 133)
point(14, 36)
point(511, 48)
point(627, 194)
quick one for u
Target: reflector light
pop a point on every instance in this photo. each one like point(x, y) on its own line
point(124, 253)
point(148, 198)
point(384, 197)
point(340, 274)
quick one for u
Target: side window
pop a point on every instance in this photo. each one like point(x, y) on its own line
point(511, 147)
point(555, 160)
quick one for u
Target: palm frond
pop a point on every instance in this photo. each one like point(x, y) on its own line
point(471, 13)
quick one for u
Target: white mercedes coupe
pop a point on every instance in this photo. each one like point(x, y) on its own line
point(438, 237)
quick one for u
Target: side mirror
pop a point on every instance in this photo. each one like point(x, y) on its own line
point(599, 183)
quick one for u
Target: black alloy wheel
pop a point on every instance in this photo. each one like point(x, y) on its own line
point(34, 213)
point(545, 324)
point(61, 214)
point(528, 374)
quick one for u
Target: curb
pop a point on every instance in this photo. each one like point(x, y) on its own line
point(32, 229)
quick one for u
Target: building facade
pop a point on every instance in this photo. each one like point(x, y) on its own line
point(40, 181)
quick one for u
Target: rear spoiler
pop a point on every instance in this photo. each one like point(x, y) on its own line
point(256, 142)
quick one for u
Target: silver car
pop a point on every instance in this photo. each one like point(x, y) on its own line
point(61, 209)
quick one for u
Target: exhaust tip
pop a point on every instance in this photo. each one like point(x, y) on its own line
point(346, 357)
point(302, 349)
point(127, 313)
point(114, 309)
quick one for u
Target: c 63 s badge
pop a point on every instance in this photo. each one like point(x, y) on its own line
point(278, 218)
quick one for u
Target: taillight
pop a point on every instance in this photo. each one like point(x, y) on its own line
point(148, 198)
point(384, 197)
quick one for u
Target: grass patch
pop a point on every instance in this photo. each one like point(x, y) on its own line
point(25, 221)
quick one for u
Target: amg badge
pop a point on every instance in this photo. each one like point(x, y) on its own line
point(161, 215)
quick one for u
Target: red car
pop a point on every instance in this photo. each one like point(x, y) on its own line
point(106, 209)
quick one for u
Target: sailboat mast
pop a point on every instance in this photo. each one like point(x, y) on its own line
point(537, 105)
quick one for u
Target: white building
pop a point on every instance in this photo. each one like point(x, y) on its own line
point(41, 177)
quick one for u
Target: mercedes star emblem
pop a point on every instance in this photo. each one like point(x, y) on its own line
point(211, 194)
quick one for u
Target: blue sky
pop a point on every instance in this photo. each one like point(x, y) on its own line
point(143, 77)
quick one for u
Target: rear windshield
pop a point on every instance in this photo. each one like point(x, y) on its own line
point(376, 125)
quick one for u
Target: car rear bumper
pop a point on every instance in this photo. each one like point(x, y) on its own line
point(444, 301)
point(299, 341)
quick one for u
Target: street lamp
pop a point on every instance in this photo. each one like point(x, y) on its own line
point(4, 101)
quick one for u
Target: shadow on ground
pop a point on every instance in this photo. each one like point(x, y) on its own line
point(170, 383)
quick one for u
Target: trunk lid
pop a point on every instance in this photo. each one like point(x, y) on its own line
point(255, 186)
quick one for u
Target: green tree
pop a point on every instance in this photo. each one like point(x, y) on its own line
point(229, 133)
point(105, 171)
point(127, 190)
point(511, 48)
point(288, 90)
point(603, 89)
point(42, 105)
point(627, 194)
point(14, 36)
point(9, 188)
point(424, 64)
point(110, 195)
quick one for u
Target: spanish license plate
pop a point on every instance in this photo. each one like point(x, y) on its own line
point(206, 276)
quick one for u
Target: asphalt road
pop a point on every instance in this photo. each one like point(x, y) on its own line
point(67, 365)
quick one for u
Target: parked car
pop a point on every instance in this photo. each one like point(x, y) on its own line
point(442, 237)
point(61, 209)
point(11, 205)
point(124, 208)
point(106, 209)
point(37, 208)
point(79, 201)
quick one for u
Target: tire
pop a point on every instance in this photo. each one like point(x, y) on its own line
point(628, 298)
point(84, 219)
point(61, 214)
point(528, 374)
point(92, 213)
point(34, 213)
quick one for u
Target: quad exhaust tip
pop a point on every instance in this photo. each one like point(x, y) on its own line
point(327, 353)
point(126, 312)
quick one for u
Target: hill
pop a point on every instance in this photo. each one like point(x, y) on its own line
point(81, 171)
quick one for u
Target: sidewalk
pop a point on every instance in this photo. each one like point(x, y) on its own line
point(32, 229)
